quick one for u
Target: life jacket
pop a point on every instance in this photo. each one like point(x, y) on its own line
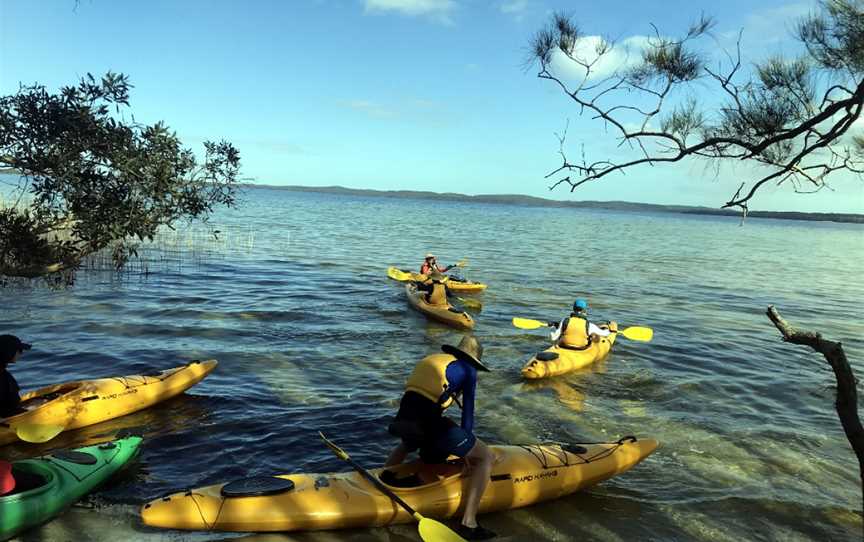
point(575, 335)
point(429, 379)
point(438, 295)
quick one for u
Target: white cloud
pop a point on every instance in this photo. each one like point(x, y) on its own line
point(370, 108)
point(439, 10)
point(624, 54)
point(514, 8)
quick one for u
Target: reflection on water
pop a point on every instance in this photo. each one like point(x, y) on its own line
point(307, 339)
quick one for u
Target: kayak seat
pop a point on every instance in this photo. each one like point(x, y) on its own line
point(546, 356)
point(72, 456)
point(257, 486)
point(393, 480)
point(25, 481)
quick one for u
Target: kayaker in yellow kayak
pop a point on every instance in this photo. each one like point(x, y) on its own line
point(576, 332)
point(436, 383)
point(436, 291)
point(11, 348)
point(431, 264)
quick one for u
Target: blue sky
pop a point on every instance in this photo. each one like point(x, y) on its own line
point(385, 94)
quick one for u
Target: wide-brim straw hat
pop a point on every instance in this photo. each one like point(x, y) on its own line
point(469, 349)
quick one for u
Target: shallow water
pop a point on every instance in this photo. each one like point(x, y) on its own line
point(292, 299)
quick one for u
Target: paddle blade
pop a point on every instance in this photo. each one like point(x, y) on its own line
point(636, 333)
point(339, 452)
point(398, 274)
point(527, 323)
point(471, 303)
point(461, 263)
point(435, 531)
point(37, 432)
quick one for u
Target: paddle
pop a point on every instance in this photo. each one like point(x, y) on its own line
point(469, 303)
point(429, 529)
point(634, 333)
point(36, 432)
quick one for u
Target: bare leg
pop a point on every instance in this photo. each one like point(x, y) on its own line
point(480, 458)
point(397, 456)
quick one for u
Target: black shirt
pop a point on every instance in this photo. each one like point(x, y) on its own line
point(9, 394)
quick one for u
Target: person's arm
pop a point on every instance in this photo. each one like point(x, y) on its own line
point(593, 329)
point(468, 403)
point(556, 332)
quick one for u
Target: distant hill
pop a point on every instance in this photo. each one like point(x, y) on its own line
point(516, 199)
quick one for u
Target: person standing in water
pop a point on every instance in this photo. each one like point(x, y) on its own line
point(436, 383)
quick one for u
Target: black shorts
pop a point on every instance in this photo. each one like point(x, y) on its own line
point(421, 426)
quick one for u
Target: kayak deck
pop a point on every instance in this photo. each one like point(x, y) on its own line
point(87, 402)
point(454, 284)
point(444, 314)
point(521, 476)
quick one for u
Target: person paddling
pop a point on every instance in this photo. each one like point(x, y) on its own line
point(436, 383)
point(431, 264)
point(576, 332)
point(11, 348)
point(436, 291)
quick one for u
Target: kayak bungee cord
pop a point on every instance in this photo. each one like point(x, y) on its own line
point(565, 460)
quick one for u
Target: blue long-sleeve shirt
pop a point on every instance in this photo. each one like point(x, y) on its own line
point(462, 377)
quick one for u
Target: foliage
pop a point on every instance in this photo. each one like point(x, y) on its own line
point(791, 118)
point(88, 178)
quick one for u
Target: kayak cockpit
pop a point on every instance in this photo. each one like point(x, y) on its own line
point(418, 474)
point(43, 396)
point(29, 478)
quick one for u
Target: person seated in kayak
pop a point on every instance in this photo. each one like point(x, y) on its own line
point(575, 332)
point(10, 399)
point(435, 384)
point(436, 291)
point(430, 264)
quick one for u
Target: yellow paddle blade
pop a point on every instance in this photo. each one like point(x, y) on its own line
point(636, 333)
point(462, 263)
point(38, 432)
point(470, 303)
point(435, 531)
point(527, 323)
point(398, 274)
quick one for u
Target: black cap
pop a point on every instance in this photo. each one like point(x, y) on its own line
point(11, 345)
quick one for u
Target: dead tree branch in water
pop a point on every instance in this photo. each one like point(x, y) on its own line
point(846, 402)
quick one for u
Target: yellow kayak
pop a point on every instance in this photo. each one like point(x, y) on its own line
point(86, 402)
point(521, 476)
point(464, 286)
point(446, 315)
point(556, 360)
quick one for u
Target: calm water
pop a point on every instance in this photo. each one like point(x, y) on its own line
point(310, 335)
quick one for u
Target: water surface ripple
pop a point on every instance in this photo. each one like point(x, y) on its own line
point(310, 335)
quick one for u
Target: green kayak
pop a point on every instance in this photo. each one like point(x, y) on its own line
point(46, 485)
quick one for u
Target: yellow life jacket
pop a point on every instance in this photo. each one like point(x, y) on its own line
point(438, 295)
point(575, 336)
point(429, 378)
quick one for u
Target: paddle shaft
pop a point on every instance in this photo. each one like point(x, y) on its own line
point(381, 487)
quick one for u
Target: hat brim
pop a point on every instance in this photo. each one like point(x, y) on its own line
point(461, 354)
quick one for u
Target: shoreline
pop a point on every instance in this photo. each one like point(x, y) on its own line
point(533, 201)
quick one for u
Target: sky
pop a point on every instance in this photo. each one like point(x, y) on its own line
point(387, 94)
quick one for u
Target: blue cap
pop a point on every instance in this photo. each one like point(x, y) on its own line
point(580, 305)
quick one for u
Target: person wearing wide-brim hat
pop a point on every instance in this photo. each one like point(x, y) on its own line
point(10, 399)
point(436, 290)
point(436, 384)
point(430, 264)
